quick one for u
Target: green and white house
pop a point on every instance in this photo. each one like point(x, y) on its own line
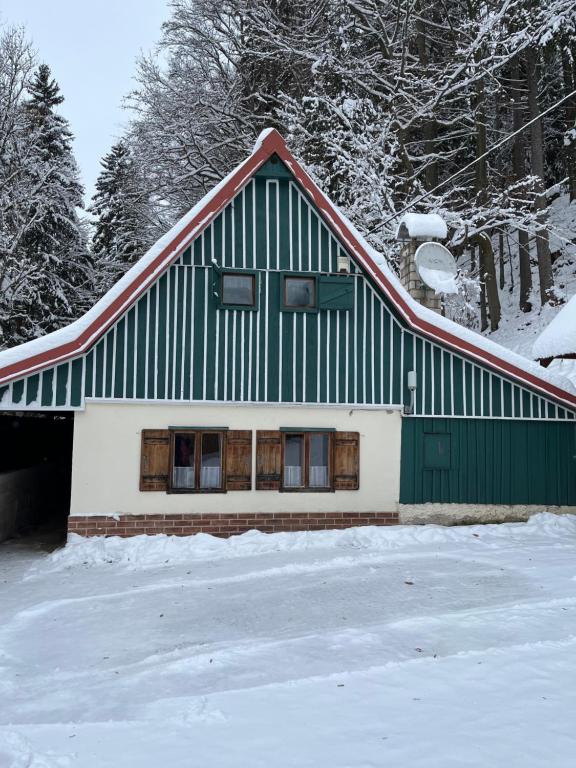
point(261, 367)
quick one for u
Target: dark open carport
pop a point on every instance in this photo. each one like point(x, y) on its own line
point(35, 473)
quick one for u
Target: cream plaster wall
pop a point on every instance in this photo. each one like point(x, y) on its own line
point(106, 458)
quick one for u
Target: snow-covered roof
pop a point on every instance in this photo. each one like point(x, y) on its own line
point(559, 336)
point(79, 336)
point(421, 225)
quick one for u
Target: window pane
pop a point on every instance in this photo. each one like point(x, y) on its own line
point(183, 474)
point(238, 289)
point(299, 292)
point(318, 470)
point(293, 461)
point(211, 460)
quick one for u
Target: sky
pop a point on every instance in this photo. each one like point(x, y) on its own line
point(92, 49)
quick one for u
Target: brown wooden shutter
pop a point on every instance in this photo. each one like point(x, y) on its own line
point(155, 460)
point(268, 460)
point(346, 461)
point(239, 460)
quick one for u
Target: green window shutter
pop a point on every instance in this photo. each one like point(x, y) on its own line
point(336, 292)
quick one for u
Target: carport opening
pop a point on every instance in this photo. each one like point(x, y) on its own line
point(35, 474)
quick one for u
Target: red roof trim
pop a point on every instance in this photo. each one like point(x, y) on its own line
point(272, 143)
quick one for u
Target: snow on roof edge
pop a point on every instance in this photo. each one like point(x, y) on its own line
point(262, 138)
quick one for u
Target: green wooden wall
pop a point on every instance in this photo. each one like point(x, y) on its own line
point(488, 461)
point(177, 344)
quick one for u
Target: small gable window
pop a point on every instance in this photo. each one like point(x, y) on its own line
point(238, 290)
point(299, 292)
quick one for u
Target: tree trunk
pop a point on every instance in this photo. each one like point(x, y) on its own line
point(570, 111)
point(519, 169)
point(489, 285)
point(545, 274)
point(486, 252)
point(501, 258)
point(429, 129)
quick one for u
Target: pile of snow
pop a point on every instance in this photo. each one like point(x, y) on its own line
point(153, 551)
point(559, 337)
point(441, 282)
point(421, 225)
point(564, 368)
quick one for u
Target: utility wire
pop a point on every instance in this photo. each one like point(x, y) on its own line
point(470, 165)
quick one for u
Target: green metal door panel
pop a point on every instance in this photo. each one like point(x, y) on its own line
point(493, 461)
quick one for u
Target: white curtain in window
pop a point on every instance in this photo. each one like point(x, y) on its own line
point(210, 477)
point(318, 477)
point(292, 477)
point(183, 477)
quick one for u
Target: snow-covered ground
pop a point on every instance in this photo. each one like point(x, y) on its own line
point(421, 646)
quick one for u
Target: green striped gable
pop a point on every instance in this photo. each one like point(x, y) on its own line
point(176, 343)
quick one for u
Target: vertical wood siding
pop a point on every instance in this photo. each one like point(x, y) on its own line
point(491, 461)
point(176, 344)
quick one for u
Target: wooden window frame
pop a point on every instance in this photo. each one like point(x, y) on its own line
point(284, 306)
point(307, 434)
point(218, 288)
point(197, 459)
point(237, 273)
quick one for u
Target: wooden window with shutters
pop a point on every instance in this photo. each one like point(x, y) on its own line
point(190, 460)
point(294, 460)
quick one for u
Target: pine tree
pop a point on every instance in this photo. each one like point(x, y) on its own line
point(122, 226)
point(56, 230)
point(54, 244)
point(45, 272)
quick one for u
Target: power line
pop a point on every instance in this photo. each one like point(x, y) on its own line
point(470, 165)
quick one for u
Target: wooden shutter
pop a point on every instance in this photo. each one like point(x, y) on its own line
point(239, 460)
point(346, 461)
point(155, 460)
point(268, 460)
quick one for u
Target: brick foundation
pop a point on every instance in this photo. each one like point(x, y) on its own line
point(224, 525)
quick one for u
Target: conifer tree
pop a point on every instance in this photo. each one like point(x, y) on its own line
point(54, 245)
point(45, 271)
point(122, 227)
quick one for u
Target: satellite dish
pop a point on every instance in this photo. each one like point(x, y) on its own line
point(436, 267)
